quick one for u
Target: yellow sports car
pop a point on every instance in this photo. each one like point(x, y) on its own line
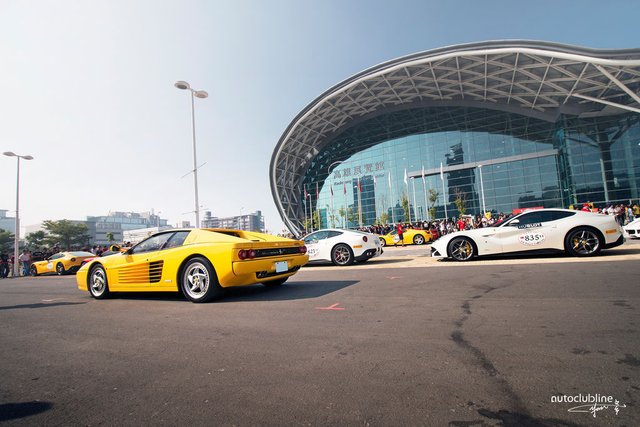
point(199, 262)
point(60, 263)
point(410, 236)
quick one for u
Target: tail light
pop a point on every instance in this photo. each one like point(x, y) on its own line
point(365, 238)
point(246, 254)
point(303, 249)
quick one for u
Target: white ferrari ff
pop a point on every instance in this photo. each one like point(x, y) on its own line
point(576, 232)
point(633, 229)
point(341, 247)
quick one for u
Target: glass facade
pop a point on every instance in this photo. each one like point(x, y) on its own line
point(502, 159)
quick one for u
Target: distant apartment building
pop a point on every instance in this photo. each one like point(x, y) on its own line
point(248, 222)
point(7, 223)
point(118, 222)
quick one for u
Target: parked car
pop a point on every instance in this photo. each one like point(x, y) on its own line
point(633, 229)
point(342, 247)
point(199, 262)
point(574, 232)
point(410, 236)
point(60, 263)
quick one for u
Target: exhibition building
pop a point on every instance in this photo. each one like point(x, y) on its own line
point(486, 127)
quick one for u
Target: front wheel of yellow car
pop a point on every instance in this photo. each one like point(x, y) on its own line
point(60, 269)
point(199, 282)
point(33, 270)
point(98, 286)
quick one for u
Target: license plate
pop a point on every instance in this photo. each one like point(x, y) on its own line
point(281, 266)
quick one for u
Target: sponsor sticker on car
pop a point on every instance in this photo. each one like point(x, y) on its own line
point(531, 238)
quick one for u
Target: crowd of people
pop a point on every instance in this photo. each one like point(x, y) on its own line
point(624, 214)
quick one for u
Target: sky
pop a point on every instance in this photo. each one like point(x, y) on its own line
point(87, 88)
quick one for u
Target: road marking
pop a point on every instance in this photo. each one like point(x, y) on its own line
point(331, 307)
point(394, 277)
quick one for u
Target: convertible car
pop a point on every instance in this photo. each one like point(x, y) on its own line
point(577, 233)
point(199, 262)
point(60, 263)
point(409, 236)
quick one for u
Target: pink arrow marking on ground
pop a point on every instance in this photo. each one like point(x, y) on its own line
point(331, 307)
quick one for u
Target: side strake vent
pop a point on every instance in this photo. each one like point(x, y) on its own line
point(155, 271)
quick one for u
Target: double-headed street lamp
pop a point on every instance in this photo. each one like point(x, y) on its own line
point(16, 249)
point(198, 94)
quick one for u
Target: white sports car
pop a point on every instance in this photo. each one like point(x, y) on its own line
point(576, 232)
point(633, 229)
point(342, 247)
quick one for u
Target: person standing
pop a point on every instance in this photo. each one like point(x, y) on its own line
point(400, 234)
point(25, 259)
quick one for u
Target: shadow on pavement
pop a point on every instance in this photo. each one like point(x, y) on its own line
point(286, 292)
point(39, 305)
point(12, 411)
point(359, 264)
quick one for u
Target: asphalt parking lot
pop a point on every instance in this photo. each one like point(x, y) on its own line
point(401, 340)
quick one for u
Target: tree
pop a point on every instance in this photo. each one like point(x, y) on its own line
point(65, 233)
point(36, 239)
point(332, 217)
point(405, 207)
point(351, 216)
point(316, 220)
point(342, 213)
point(110, 237)
point(460, 201)
point(433, 198)
point(6, 240)
point(384, 218)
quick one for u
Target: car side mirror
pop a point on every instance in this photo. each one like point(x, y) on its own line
point(114, 248)
point(514, 223)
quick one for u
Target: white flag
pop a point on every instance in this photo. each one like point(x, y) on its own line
point(389, 179)
point(423, 181)
point(374, 183)
point(405, 176)
point(441, 172)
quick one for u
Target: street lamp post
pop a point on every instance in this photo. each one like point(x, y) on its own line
point(484, 208)
point(198, 94)
point(16, 243)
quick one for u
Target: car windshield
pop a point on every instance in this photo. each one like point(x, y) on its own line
point(81, 254)
point(502, 221)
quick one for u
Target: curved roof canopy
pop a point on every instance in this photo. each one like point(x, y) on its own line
point(536, 79)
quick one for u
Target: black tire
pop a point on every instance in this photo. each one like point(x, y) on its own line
point(97, 282)
point(33, 271)
point(275, 283)
point(60, 269)
point(199, 282)
point(583, 242)
point(461, 249)
point(418, 239)
point(341, 255)
point(383, 242)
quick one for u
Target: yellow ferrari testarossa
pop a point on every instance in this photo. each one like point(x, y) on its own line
point(199, 262)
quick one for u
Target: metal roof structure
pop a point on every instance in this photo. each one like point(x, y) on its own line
point(531, 78)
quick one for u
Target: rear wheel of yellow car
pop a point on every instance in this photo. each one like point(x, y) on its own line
point(418, 239)
point(98, 285)
point(274, 283)
point(60, 269)
point(199, 281)
point(33, 270)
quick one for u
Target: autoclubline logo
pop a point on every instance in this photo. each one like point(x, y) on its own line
point(591, 403)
